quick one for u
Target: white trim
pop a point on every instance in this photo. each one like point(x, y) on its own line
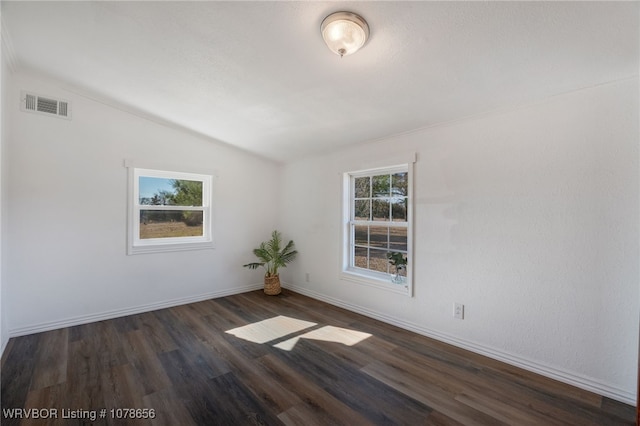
point(568, 377)
point(162, 247)
point(117, 313)
point(372, 278)
point(383, 283)
point(393, 168)
point(378, 162)
point(157, 165)
point(135, 245)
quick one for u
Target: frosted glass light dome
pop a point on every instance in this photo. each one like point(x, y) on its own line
point(344, 32)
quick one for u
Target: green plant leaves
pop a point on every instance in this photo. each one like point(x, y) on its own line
point(272, 256)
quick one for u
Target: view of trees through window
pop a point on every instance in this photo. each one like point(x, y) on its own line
point(170, 221)
point(379, 219)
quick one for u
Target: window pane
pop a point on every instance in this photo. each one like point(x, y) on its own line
point(379, 236)
point(187, 192)
point(361, 235)
point(378, 260)
point(399, 209)
point(363, 187)
point(169, 192)
point(378, 221)
point(170, 224)
point(362, 211)
point(380, 209)
point(381, 185)
point(360, 257)
point(398, 239)
point(399, 184)
point(155, 191)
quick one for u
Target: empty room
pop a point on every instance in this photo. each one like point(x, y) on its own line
point(315, 213)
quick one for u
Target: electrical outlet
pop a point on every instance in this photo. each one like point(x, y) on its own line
point(458, 310)
point(306, 277)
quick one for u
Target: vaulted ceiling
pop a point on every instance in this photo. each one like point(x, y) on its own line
point(258, 76)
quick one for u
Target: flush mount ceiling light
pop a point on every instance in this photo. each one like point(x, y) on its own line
point(344, 32)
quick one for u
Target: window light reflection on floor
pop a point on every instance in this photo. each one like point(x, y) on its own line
point(270, 329)
point(281, 326)
point(327, 334)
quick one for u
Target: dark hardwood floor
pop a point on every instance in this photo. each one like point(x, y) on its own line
point(256, 359)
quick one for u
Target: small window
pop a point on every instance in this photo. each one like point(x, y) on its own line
point(377, 220)
point(169, 211)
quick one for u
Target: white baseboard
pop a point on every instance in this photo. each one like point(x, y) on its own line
point(84, 319)
point(570, 378)
point(567, 377)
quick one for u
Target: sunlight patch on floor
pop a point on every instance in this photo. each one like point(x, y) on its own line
point(328, 334)
point(270, 329)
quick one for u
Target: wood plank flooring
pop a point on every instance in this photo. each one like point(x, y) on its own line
point(343, 369)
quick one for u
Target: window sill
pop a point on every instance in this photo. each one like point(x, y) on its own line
point(161, 248)
point(383, 282)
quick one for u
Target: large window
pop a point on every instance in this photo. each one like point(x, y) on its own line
point(378, 226)
point(169, 211)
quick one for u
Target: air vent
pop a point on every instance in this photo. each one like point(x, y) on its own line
point(45, 105)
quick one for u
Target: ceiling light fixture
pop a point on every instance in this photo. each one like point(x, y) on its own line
point(344, 32)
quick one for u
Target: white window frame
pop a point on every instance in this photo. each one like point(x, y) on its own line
point(136, 245)
point(363, 276)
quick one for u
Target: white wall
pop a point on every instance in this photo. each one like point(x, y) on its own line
point(529, 217)
point(66, 234)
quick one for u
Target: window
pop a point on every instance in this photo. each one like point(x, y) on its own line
point(377, 220)
point(169, 211)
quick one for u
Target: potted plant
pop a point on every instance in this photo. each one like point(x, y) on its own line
point(272, 256)
point(398, 260)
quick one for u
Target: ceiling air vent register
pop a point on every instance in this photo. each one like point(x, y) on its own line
point(45, 105)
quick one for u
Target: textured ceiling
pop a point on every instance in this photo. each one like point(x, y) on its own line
point(257, 75)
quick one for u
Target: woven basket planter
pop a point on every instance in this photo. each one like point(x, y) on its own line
point(272, 285)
